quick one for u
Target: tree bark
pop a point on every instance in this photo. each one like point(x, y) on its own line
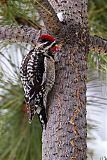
point(65, 135)
point(29, 35)
point(50, 19)
point(19, 34)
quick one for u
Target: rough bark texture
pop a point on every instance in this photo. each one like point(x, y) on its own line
point(65, 135)
point(30, 35)
point(98, 45)
point(48, 15)
point(19, 34)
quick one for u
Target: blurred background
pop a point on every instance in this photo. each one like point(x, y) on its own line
point(18, 139)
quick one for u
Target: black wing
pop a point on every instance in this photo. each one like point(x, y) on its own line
point(32, 70)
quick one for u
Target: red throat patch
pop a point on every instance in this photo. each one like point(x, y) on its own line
point(53, 49)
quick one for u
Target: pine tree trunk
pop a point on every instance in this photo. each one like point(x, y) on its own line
point(65, 135)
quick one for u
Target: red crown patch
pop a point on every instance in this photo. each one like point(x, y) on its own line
point(47, 37)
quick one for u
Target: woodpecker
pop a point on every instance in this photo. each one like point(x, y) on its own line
point(37, 74)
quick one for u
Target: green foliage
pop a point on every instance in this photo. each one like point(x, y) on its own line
point(19, 12)
point(97, 15)
point(18, 139)
point(97, 61)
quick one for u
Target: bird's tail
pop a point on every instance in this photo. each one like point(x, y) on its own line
point(43, 117)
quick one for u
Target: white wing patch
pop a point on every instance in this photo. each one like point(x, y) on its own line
point(38, 110)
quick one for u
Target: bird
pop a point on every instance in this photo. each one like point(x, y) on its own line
point(37, 74)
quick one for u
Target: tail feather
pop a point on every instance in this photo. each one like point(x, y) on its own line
point(43, 117)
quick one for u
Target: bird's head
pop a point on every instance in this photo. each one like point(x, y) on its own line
point(48, 42)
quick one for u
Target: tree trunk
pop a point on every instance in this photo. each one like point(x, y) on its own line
point(65, 135)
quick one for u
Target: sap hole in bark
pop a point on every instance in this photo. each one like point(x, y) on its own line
point(75, 80)
point(79, 11)
point(70, 151)
point(62, 10)
point(62, 155)
point(59, 5)
point(67, 14)
point(80, 114)
point(69, 20)
point(74, 12)
point(81, 133)
point(76, 119)
point(66, 98)
point(63, 1)
point(63, 135)
point(55, 154)
point(65, 155)
point(67, 86)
